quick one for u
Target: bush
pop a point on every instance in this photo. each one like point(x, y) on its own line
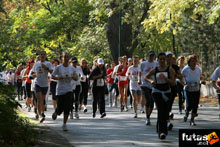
point(14, 129)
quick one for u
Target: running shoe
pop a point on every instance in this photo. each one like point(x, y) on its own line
point(171, 116)
point(170, 126)
point(126, 109)
point(42, 120)
point(37, 116)
point(93, 115)
point(85, 110)
point(192, 123)
point(43, 115)
point(64, 127)
point(54, 116)
point(76, 115)
point(148, 123)
point(29, 109)
point(135, 115)
point(103, 115)
point(162, 136)
point(122, 108)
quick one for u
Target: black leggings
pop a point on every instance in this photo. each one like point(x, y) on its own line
point(84, 93)
point(192, 101)
point(76, 94)
point(163, 112)
point(181, 95)
point(98, 98)
point(28, 90)
point(19, 89)
point(172, 98)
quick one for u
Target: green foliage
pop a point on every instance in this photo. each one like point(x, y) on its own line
point(14, 130)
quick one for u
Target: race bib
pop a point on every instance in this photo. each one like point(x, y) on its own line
point(123, 78)
point(67, 77)
point(193, 86)
point(134, 78)
point(40, 72)
point(100, 82)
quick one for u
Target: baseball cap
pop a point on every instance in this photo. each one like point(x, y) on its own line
point(151, 52)
point(100, 61)
point(74, 59)
point(169, 53)
point(129, 59)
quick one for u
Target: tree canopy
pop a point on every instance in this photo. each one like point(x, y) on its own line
point(90, 28)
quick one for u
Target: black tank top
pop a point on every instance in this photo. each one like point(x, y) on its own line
point(160, 84)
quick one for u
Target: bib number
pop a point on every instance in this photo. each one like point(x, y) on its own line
point(123, 78)
point(100, 82)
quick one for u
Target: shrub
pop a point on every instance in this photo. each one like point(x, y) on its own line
point(14, 129)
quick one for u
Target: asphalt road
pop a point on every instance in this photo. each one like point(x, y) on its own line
point(121, 129)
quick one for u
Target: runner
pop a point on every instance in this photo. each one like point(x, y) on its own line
point(85, 85)
point(53, 84)
point(215, 82)
point(135, 88)
point(111, 85)
point(64, 74)
point(130, 63)
point(98, 75)
point(163, 78)
point(76, 86)
point(115, 85)
point(23, 84)
point(192, 75)
point(169, 59)
point(146, 87)
point(18, 79)
point(28, 84)
point(180, 85)
point(123, 83)
point(40, 71)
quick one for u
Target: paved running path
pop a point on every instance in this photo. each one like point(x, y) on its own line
point(121, 129)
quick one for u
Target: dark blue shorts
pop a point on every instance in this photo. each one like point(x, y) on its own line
point(39, 89)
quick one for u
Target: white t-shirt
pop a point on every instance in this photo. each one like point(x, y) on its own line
point(132, 73)
point(80, 74)
point(146, 67)
point(64, 86)
point(22, 74)
point(216, 74)
point(41, 73)
point(192, 77)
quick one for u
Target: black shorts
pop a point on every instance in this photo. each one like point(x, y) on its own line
point(28, 90)
point(64, 103)
point(53, 86)
point(148, 96)
point(42, 90)
point(34, 97)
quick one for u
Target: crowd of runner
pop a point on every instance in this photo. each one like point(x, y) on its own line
point(154, 82)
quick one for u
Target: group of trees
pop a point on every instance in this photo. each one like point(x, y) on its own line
point(90, 28)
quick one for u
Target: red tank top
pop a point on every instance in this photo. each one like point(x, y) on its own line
point(28, 80)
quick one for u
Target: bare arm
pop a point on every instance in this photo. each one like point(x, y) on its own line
point(147, 78)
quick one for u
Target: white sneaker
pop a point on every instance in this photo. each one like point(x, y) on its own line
point(77, 115)
point(71, 115)
point(126, 109)
point(29, 109)
point(64, 127)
